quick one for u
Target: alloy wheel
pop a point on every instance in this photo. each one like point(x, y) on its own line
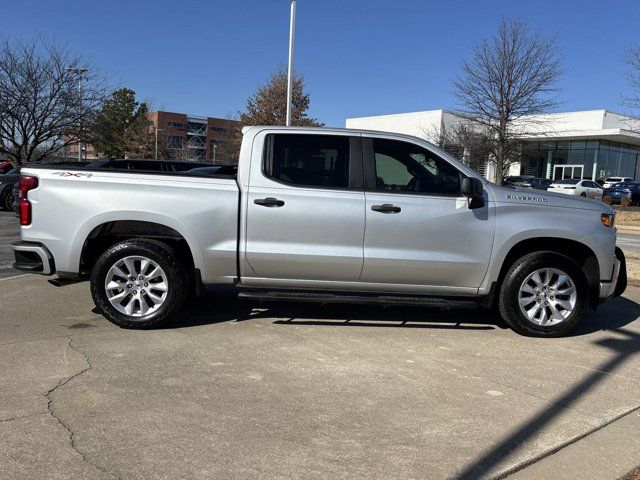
point(547, 296)
point(136, 286)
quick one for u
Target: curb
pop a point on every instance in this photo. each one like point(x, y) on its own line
point(610, 452)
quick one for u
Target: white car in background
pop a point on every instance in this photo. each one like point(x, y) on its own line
point(609, 182)
point(575, 186)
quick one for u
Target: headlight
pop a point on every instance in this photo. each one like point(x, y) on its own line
point(607, 219)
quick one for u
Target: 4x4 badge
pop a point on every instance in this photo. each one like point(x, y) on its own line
point(72, 174)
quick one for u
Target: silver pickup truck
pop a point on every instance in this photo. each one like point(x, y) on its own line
point(324, 215)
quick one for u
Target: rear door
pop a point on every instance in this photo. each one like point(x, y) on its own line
point(305, 209)
point(419, 228)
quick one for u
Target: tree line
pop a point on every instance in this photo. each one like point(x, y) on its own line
point(51, 98)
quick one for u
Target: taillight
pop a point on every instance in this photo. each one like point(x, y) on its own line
point(26, 184)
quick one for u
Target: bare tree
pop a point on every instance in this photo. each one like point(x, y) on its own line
point(632, 59)
point(41, 110)
point(511, 75)
point(465, 140)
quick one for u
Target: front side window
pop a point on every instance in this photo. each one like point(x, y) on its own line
point(309, 160)
point(402, 167)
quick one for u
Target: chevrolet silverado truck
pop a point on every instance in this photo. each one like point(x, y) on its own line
point(321, 215)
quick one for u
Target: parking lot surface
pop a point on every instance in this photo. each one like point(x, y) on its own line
point(243, 390)
point(9, 231)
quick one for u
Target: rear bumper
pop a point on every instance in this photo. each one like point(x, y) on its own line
point(618, 283)
point(33, 257)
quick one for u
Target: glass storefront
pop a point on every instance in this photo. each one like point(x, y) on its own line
point(597, 159)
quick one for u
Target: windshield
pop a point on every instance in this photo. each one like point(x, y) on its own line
point(568, 181)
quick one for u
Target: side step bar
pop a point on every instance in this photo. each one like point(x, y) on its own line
point(269, 296)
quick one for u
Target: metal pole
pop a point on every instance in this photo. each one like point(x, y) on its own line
point(80, 93)
point(292, 29)
point(214, 153)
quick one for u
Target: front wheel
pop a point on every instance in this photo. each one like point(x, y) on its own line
point(543, 294)
point(139, 283)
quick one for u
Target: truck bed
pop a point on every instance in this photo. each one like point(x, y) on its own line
point(202, 209)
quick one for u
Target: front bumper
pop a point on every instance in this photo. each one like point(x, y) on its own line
point(33, 257)
point(618, 283)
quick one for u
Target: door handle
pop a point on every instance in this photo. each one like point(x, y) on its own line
point(386, 208)
point(269, 202)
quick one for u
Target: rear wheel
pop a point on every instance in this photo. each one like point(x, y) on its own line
point(543, 294)
point(583, 194)
point(139, 283)
point(625, 201)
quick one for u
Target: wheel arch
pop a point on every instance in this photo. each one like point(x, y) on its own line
point(579, 252)
point(107, 233)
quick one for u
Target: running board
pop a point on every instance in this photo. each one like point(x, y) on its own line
point(358, 299)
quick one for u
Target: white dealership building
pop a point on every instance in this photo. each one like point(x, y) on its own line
point(590, 144)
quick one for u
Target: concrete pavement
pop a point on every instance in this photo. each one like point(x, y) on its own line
point(629, 242)
point(9, 231)
point(239, 390)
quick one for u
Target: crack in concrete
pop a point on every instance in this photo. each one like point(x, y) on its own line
point(20, 417)
point(72, 440)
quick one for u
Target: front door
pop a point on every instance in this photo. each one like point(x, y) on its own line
point(565, 172)
point(305, 209)
point(419, 228)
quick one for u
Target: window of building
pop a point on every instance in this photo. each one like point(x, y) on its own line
point(175, 124)
point(217, 129)
point(309, 160)
point(197, 128)
point(406, 168)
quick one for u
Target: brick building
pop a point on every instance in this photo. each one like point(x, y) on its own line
point(198, 138)
point(205, 139)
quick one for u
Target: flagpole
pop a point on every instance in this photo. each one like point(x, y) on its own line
point(292, 28)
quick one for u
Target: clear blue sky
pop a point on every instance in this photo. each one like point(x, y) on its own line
point(358, 57)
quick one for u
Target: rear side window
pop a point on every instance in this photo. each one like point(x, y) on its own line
point(308, 160)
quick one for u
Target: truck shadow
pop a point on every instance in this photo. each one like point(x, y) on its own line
point(221, 305)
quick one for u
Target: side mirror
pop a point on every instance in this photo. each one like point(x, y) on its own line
point(472, 189)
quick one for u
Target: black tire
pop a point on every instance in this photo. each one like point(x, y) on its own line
point(514, 278)
point(583, 194)
point(7, 200)
point(176, 275)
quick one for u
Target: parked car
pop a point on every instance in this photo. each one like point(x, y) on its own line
point(5, 167)
point(575, 186)
point(150, 165)
point(518, 181)
point(621, 193)
point(7, 182)
point(608, 182)
point(541, 183)
point(324, 215)
point(214, 170)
